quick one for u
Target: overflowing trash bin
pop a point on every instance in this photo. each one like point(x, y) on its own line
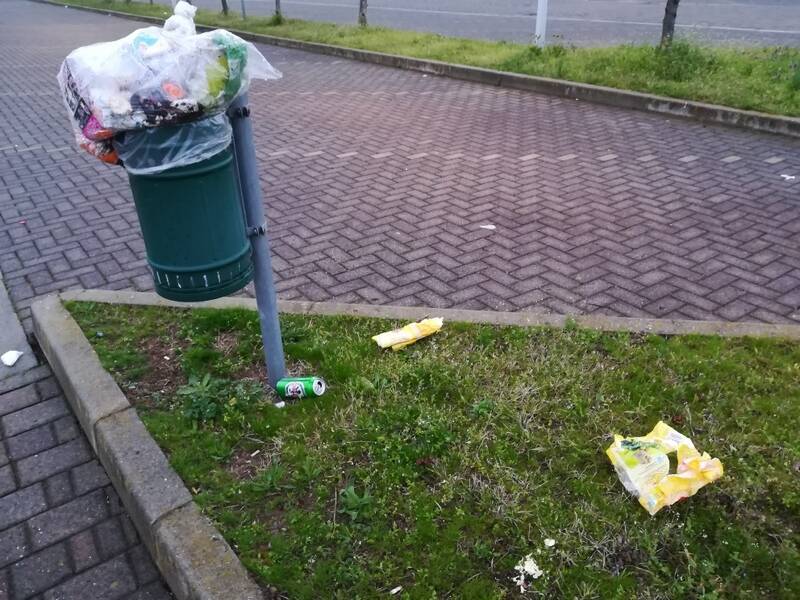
point(155, 102)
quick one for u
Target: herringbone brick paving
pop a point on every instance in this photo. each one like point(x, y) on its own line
point(63, 532)
point(377, 181)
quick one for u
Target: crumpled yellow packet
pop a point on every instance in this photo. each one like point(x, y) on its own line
point(400, 338)
point(642, 465)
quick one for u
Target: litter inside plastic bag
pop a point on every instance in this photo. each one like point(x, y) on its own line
point(642, 464)
point(156, 77)
point(152, 150)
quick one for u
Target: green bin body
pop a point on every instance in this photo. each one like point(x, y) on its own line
point(193, 228)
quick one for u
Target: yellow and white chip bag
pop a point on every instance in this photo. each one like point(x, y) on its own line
point(400, 338)
point(642, 464)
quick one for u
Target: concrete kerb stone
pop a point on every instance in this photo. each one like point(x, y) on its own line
point(186, 540)
point(520, 319)
point(140, 472)
point(688, 109)
point(91, 391)
point(191, 554)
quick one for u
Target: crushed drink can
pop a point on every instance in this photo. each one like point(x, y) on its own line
point(300, 387)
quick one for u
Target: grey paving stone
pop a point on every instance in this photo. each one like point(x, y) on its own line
point(58, 489)
point(17, 399)
point(110, 538)
point(48, 388)
point(20, 380)
point(88, 477)
point(33, 416)
point(40, 571)
point(7, 483)
point(31, 442)
point(113, 501)
point(21, 505)
point(83, 550)
point(143, 565)
point(130, 531)
point(153, 591)
point(3, 455)
point(107, 581)
point(57, 459)
point(5, 586)
point(13, 545)
point(66, 520)
point(66, 428)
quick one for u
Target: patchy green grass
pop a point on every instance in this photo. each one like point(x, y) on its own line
point(764, 79)
point(439, 467)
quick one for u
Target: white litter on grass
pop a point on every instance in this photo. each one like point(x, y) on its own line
point(528, 569)
point(11, 357)
point(280, 404)
point(489, 227)
point(396, 590)
point(789, 177)
point(549, 542)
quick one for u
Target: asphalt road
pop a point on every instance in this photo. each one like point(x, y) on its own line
point(579, 22)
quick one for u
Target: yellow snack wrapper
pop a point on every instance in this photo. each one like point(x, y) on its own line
point(642, 465)
point(400, 338)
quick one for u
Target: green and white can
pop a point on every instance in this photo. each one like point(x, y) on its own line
point(300, 387)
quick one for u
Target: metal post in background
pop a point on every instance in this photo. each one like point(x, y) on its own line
point(256, 222)
point(244, 11)
point(541, 23)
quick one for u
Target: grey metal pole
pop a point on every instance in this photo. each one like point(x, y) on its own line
point(266, 298)
point(541, 23)
point(244, 11)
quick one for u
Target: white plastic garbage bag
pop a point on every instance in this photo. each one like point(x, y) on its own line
point(156, 76)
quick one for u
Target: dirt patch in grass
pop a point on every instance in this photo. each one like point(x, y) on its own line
point(226, 343)
point(246, 464)
point(163, 376)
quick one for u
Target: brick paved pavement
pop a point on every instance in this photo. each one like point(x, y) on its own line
point(63, 532)
point(377, 181)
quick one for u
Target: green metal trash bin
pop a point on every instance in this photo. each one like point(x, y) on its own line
point(193, 227)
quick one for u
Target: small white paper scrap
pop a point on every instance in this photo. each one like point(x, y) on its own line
point(11, 357)
point(527, 569)
point(396, 590)
point(489, 227)
point(549, 542)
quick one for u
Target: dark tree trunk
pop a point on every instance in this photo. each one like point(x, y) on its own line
point(668, 28)
point(278, 7)
point(225, 7)
point(362, 12)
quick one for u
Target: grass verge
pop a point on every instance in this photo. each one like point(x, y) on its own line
point(439, 467)
point(764, 79)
